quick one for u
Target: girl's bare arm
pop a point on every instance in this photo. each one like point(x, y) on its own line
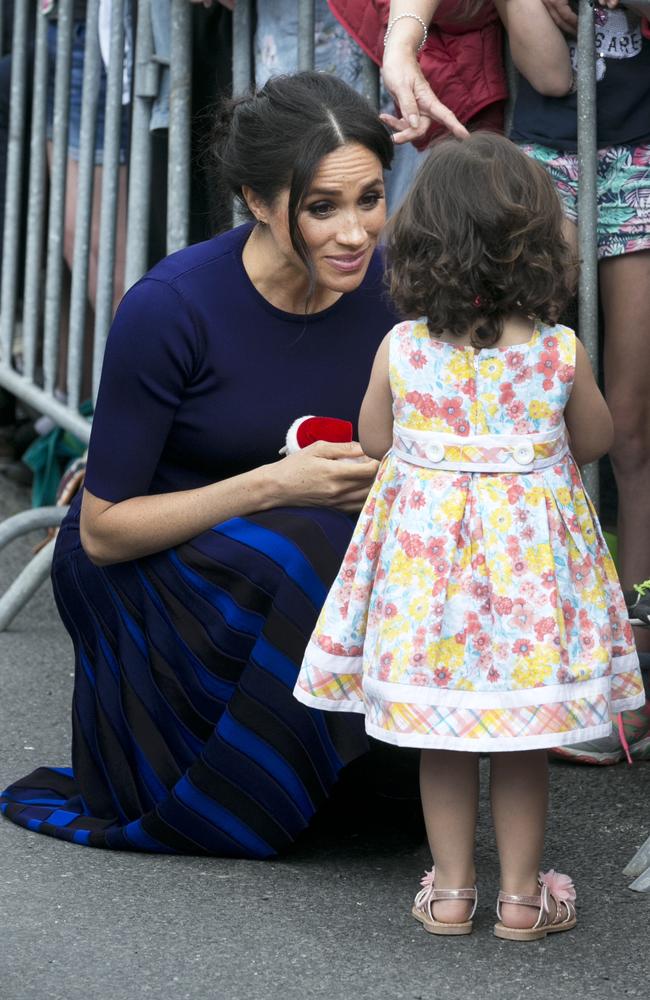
point(538, 47)
point(376, 417)
point(588, 420)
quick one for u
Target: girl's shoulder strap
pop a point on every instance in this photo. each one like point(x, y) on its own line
point(403, 334)
point(402, 344)
point(411, 328)
point(556, 361)
point(559, 338)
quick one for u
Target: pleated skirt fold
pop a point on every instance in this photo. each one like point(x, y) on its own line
point(186, 737)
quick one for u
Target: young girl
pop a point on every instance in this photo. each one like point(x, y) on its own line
point(477, 609)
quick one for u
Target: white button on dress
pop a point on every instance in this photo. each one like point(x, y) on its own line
point(524, 453)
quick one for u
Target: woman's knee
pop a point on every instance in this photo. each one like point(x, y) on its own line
point(631, 416)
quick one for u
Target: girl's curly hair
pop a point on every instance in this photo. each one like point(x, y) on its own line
point(479, 237)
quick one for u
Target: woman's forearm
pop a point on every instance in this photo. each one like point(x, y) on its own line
point(538, 47)
point(140, 526)
point(423, 8)
point(407, 31)
point(324, 474)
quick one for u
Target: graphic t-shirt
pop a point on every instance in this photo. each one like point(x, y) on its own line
point(622, 90)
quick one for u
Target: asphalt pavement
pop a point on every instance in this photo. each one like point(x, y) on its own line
point(330, 920)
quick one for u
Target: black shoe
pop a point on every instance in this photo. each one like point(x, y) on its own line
point(638, 603)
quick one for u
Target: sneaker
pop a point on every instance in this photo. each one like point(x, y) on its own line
point(609, 750)
point(637, 601)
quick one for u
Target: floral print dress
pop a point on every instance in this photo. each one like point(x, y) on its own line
point(477, 607)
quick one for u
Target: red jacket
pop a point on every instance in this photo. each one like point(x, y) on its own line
point(462, 59)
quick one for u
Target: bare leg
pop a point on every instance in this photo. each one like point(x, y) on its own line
point(519, 794)
point(449, 790)
point(624, 284)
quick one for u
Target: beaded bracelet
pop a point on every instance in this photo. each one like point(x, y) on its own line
point(416, 17)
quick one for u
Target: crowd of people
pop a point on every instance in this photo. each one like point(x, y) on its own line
point(437, 579)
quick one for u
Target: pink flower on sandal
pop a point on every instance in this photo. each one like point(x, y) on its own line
point(428, 878)
point(559, 885)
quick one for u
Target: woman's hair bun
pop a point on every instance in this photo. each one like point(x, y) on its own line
point(223, 118)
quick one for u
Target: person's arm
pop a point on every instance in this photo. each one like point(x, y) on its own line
point(404, 79)
point(376, 417)
point(154, 352)
point(587, 416)
point(142, 525)
point(537, 45)
point(566, 18)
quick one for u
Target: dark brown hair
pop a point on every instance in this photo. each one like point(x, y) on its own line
point(275, 138)
point(479, 237)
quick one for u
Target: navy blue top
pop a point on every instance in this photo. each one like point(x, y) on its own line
point(202, 376)
point(622, 90)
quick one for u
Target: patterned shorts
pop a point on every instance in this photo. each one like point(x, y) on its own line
point(623, 183)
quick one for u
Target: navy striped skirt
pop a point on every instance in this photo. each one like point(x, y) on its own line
point(186, 737)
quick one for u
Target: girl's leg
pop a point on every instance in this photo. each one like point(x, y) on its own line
point(449, 790)
point(624, 283)
point(519, 795)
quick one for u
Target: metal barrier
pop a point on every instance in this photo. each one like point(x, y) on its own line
point(36, 330)
point(34, 333)
point(587, 205)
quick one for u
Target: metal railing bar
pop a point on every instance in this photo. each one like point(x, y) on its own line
point(139, 196)
point(84, 211)
point(512, 77)
point(587, 203)
point(242, 67)
point(180, 99)
point(110, 188)
point(29, 520)
point(24, 389)
point(36, 203)
point(242, 47)
point(370, 81)
point(25, 585)
point(306, 26)
point(56, 219)
point(13, 189)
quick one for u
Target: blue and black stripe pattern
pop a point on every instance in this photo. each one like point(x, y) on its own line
point(186, 735)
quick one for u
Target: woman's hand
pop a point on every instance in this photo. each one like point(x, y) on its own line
point(417, 103)
point(415, 99)
point(324, 474)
